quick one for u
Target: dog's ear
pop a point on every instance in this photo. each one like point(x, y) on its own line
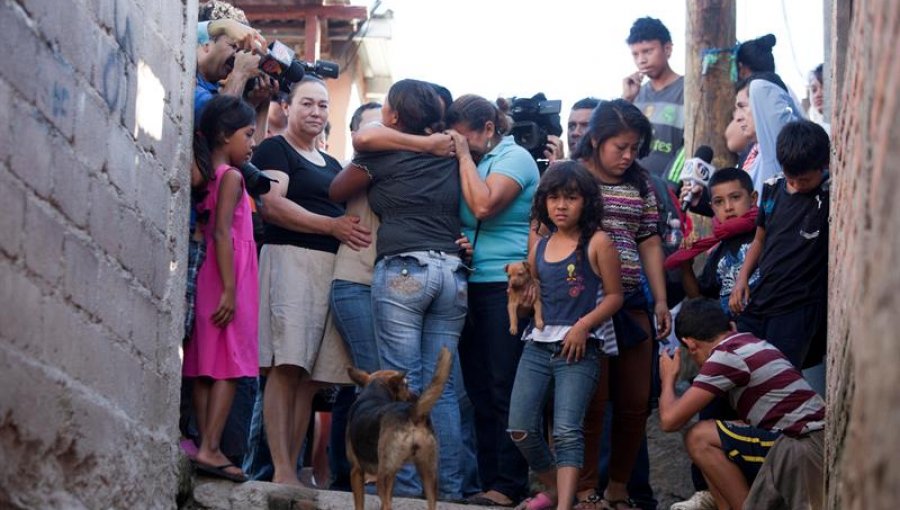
point(358, 376)
point(527, 266)
point(506, 268)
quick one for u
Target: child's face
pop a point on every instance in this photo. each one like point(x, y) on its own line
point(564, 208)
point(731, 200)
point(240, 145)
point(805, 182)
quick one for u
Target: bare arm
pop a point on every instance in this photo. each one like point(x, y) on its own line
point(230, 188)
point(278, 210)
point(246, 66)
point(376, 137)
point(348, 183)
point(675, 412)
point(244, 37)
point(652, 258)
point(486, 198)
point(689, 279)
point(740, 294)
point(604, 259)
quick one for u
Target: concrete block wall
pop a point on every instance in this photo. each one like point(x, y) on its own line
point(864, 311)
point(95, 132)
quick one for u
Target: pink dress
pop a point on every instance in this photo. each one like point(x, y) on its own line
point(232, 351)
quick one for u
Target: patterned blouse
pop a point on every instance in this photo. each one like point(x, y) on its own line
point(629, 218)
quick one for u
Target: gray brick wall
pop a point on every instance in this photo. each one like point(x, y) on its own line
point(863, 378)
point(95, 115)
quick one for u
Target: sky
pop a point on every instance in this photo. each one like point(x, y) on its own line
point(570, 49)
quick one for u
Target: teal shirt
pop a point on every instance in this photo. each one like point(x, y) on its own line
point(504, 237)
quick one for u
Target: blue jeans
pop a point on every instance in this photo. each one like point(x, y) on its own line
point(351, 307)
point(469, 448)
point(419, 301)
point(541, 368)
point(490, 357)
point(258, 461)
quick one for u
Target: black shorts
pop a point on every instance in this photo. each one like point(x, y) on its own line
point(746, 446)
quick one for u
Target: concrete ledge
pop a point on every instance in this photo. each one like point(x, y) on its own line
point(214, 494)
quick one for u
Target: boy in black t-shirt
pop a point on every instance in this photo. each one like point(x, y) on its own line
point(789, 303)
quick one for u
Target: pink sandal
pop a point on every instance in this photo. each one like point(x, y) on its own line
point(540, 501)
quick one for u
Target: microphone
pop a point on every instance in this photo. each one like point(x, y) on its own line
point(697, 170)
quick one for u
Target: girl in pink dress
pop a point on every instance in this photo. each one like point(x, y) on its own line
point(224, 343)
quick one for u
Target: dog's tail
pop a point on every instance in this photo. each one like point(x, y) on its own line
point(435, 388)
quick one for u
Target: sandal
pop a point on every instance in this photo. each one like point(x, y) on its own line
point(592, 501)
point(540, 501)
point(614, 504)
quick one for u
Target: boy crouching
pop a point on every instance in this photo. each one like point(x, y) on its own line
point(767, 392)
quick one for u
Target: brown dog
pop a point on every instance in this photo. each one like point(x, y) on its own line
point(519, 274)
point(388, 426)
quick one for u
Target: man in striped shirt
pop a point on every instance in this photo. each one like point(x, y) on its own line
point(768, 393)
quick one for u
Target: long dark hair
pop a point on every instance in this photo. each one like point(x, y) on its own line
point(612, 118)
point(569, 176)
point(419, 107)
point(221, 117)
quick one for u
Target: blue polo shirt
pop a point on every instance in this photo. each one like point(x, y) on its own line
point(503, 238)
point(203, 93)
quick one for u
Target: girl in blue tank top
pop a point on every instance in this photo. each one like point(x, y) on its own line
point(577, 266)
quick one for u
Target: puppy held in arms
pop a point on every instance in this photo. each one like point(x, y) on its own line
point(520, 279)
point(389, 426)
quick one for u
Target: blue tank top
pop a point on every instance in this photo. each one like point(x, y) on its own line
point(570, 289)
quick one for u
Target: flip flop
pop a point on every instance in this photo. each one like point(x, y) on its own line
point(613, 504)
point(592, 501)
point(480, 500)
point(540, 501)
point(219, 471)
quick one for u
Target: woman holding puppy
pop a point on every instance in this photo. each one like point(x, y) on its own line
point(498, 180)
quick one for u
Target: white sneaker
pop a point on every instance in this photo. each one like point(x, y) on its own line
point(701, 500)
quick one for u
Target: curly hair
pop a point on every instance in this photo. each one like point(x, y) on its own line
point(648, 29)
point(217, 9)
point(565, 177)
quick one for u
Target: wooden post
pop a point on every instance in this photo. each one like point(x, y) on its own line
point(709, 97)
point(313, 38)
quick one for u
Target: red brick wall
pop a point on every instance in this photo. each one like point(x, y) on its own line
point(864, 315)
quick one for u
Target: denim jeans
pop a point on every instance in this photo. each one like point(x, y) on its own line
point(351, 307)
point(490, 357)
point(542, 368)
point(469, 447)
point(419, 301)
point(258, 461)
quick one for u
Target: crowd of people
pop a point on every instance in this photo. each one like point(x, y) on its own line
point(382, 261)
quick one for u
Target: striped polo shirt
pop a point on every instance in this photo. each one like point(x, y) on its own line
point(762, 385)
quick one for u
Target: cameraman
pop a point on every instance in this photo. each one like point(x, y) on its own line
point(222, 69)
point(576, 127)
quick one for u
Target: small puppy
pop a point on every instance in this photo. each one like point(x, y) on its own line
point(388, 426)
point(519, 274)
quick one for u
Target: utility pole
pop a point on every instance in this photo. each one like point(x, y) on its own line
point(708, 89)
